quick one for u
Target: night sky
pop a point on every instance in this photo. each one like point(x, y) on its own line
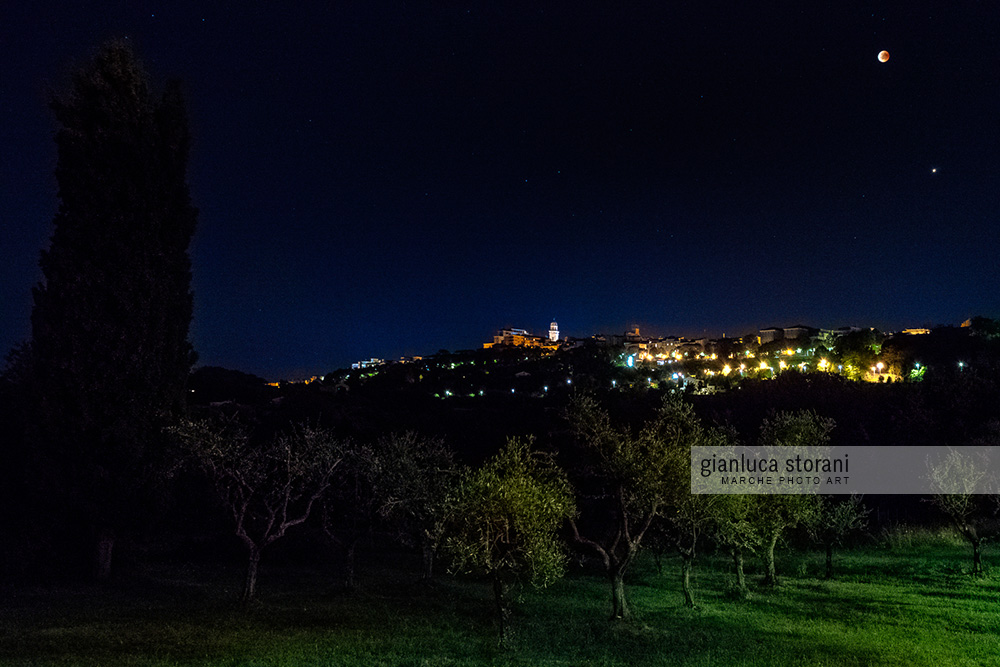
point(390, 178)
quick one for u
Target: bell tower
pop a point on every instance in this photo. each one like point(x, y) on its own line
point(554, 332)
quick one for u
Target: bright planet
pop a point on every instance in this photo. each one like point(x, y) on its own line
point(883, 56)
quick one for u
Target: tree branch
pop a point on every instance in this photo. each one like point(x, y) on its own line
point(583, 541)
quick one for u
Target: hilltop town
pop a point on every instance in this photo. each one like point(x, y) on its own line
point(518, 362)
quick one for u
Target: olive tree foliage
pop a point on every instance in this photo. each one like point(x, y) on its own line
point(507, 516)
point(959, 480)
point(774, 514)
point(110, 353)
point(630, 477)
point(267, 485)
point(834, 520)
point(417, 486)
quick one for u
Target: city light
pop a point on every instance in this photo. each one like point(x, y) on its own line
point(697, 366)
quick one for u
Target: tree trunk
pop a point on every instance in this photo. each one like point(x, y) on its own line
point(429, 552)
point(687, 561)
point(741, 578)
point(770, 573)
point(829, 560)
point(349, 565)
point(619, 607)
point(502, 605)
point(977, 556)
point(250, 584)
point(105, 549)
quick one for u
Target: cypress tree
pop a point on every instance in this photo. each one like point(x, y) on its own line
point(110, 348)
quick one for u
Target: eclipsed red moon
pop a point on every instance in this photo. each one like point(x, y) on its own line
point(883, 56)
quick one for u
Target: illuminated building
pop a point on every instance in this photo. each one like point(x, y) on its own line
point(770, 335)
point(800, 331)
point(521, 338)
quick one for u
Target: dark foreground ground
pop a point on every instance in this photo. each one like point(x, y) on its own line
point(905, 602)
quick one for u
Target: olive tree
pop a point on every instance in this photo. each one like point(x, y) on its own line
point(834, 520)
point(267, 485)
point(508, 513)
point(630, 481)
point(690, 515)
point(773, 514)
point(416, 490)
point(958, 480)
point(733, 527)
point(349, 510)
point(402, 483)
point(735, 531)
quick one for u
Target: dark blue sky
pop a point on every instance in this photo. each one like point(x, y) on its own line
point(391, 178)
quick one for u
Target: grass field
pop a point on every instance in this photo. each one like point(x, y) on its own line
point(909, 605)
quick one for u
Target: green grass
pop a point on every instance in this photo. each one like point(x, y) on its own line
point(909, 605)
